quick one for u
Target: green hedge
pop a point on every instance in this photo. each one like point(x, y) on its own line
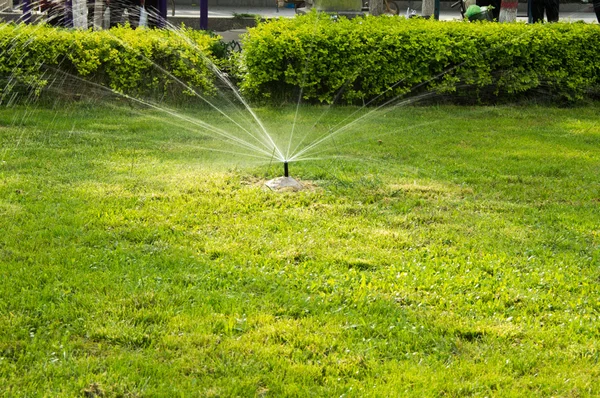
point(38, 58)
point(350, 61)
point(379, 58)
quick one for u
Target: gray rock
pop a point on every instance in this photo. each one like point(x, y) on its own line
point(284, 184)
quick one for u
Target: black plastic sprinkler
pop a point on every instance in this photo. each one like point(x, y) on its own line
point(285, 183)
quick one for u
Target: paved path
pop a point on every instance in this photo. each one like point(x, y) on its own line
point(569, 12)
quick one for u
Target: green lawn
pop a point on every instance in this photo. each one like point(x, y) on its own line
point(440, 251)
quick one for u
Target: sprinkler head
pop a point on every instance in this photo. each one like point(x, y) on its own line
point(285, 183)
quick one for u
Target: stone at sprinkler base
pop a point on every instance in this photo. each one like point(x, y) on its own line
point(284, 184)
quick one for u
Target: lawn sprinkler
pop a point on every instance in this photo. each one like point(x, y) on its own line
point(285, 183)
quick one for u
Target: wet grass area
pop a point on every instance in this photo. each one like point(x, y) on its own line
point(440, 251)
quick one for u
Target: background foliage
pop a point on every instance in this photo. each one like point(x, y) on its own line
point(133, 62)
point(363, 58)
point(350, 61)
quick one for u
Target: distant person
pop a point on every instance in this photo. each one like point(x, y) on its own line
point(153, 14)
point(56, 12)
point(597, 9)
point(117, 9)
point(549, 6)
point(495, 7)
point(91, 6)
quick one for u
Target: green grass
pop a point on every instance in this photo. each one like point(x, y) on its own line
point(457, 258)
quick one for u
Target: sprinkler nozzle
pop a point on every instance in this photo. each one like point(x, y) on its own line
point(286, 172)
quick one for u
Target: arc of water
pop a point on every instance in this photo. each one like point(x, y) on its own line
point(213, 67)
point(304, 74)
point(199, 123)
point(315, 153)
point(263, 154)
point(254, 115)
point(8, 49)
point(340, 91)
point(323, 114)
point(356, 120)
point(287, 152)
point(412, 127)
point(206, 126)
point(393, 86)
point(236, 92)
point(297, 155)
point(350, 124)
point(346, 126)
point(338, 94)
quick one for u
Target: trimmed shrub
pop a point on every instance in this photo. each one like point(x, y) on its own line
point(379, 58)
point(149, 63)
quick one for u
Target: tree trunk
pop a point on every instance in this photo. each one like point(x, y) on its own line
point(508, 10)
point(375, 7)
point(6, 5)
point(428, 8)
point(98, 14)
point(79, 9)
